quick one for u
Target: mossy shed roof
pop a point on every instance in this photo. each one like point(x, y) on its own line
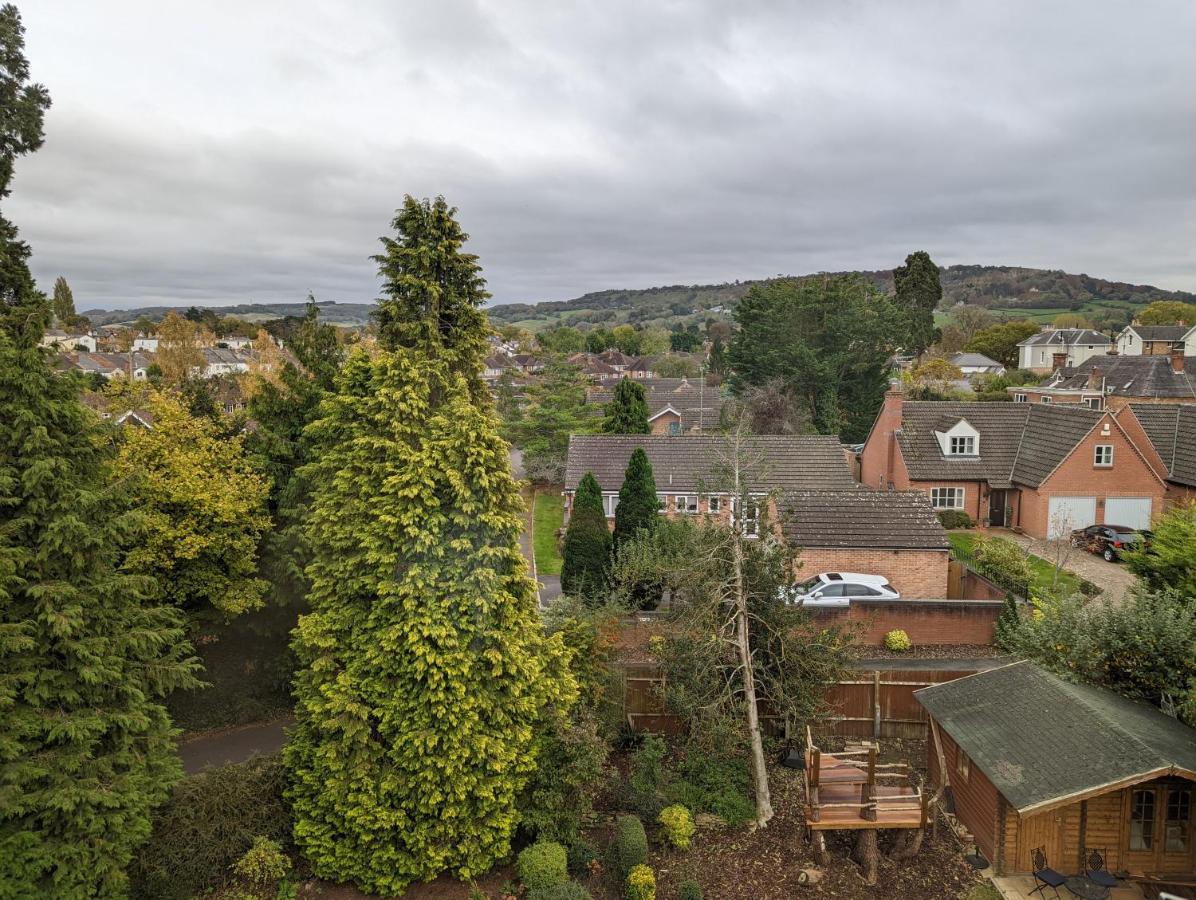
point(1044, 742)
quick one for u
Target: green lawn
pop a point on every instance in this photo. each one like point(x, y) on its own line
point(546, 519)
point(983, 891)
point(1044, 572)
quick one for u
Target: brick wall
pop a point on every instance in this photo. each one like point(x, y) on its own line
point(880, 461)
point(660, 425)
point(916, 574)
point(926, 622)
point(972, 503)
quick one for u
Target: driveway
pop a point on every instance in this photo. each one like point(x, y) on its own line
point(1114, 579)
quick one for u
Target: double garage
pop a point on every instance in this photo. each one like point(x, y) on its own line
point(1065, 514)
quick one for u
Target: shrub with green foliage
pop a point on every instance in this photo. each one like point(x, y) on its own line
point(955, 518)
point(648, 776)
point(544, 864)
point(585, 567)
point(714, 783)
point(678, 825)
point(569, 764)
point(1005, 563)
point(627, 412)
point(689, 890)
point(628, 848)
point(641, 884)
point(639, 507)
point(897, 641)
point(1170, 563)
point(209, 822)
point(581, 854)
point(263, 864)
point(570, 890)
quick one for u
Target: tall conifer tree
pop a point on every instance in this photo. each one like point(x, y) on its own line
point(86, 747)
point(919, 292)
point(627, 412)
point(425, 670)
point(585, 568)
point(64, 301)
point(638, 506)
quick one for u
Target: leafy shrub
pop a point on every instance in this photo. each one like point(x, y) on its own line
point(264, 863)
point(1008, 623)
point(210, 821)
point(1005, 563)
point(648, 776)
point(897, 641)
point(713, 783)
point(628, 848)
point(542, 865)
point(955, 518)
point(689, 890)
point(568, 775)
point(570, 890)
point(678, 824)
point(580, 854)
point(641, 884)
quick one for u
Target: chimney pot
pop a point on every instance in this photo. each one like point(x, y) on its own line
point(1094, 379)
point(1177, 358)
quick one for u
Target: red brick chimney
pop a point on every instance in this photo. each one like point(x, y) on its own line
point(894, 401)
point(1058, 360)
point(1094, 379)
point(1177, 358)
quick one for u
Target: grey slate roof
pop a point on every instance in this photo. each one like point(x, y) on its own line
point(1066, 337)
point(696, 462)
point(1040, 739)
point(889, 520)
point(1171, 428)
point(1131, 376)
point(1019, 442)
point(1160, 332)
point(974, 360)
point(697, 403)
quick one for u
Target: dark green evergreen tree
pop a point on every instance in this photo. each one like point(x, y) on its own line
point(86, 747)
point(627, 412)
point(638, 507)
point(718, 357)
point(426, 678)
point(585, 567)
point(919, 293)
point(64, 301)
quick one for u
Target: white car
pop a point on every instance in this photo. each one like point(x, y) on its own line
point(840, 588)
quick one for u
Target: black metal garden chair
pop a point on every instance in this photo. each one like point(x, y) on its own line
point(1096, 870)
point(1044, 876)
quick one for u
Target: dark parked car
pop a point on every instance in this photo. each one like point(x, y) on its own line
point(1110, 540)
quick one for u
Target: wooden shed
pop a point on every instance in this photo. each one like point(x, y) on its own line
point(1034, 761)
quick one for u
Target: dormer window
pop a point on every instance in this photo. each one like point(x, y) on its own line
point(962, 445)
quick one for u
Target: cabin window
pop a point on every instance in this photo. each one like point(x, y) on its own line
point(963, 765)
point(714, 504)
point(1102, 455)
point(1142, 820)
point(1179, 820)
point(946, 498)
point(963, 446)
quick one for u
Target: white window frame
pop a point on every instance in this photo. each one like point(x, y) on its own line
point(685, 504)
point(610, 502)
point(1019, 398)
point(714, 504)
point(1102, 456)
point(961, 445)
point(1044, 399)
point(1094, 402)
point(948, 497)
point(751, 521)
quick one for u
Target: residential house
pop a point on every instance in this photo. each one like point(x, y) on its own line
point(1112, 381)
point(1076, 344)
point(1038, 763)
point(218, 361)
point(139, 418)
point(1154, 340)
point(594, 368)
point(675, 405)
point(65, 340)
point(1169, 430)
point(1040, 469)
point(527, 363)
point(109, 365)
point(495, 365)
point(643, 368)
point(617, 359)
point(976, 364)
point(147, 343)
point(235, 342)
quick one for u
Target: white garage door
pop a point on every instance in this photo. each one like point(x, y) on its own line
point(1065, 514)
point(1133, 512)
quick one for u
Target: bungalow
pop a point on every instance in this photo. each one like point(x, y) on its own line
point(1037, 763)
point(1037, 352)
point(1169, 430)
point(495, 365)
point(109, 365)
point(217, 361)
point(675, 405)
point(976, 364)
point(1041, 469)
point(1110, 382)
point(1154, 340)
point(63, 340)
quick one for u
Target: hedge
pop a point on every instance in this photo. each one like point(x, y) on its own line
point(209, 823)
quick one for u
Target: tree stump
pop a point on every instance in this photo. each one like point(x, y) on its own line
point(867, 854)
point(908, 844)
point(821, 857)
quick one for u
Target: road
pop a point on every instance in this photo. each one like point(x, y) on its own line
point(223, 748)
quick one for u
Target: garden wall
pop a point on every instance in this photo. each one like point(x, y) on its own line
point(925, 621)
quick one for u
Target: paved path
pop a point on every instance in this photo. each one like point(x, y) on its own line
point(236, 745)
point(1114, 579)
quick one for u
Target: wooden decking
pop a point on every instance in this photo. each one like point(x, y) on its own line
point(850, 790)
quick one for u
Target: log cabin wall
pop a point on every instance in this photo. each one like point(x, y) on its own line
point(976, 798)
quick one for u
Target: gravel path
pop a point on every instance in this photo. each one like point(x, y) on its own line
point(1114, 579)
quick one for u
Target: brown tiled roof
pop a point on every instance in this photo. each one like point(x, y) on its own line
point(697, 403)
point(696, 462)
point(889, 520)
point(1130, 376)
point(1019, 442)
point(1172, 431)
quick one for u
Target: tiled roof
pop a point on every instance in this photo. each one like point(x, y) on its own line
point(1040, 739)
point(1066, 337)
point(697, 462)
point(1160, 332)
point(1131, 376)
point(889, 520)
point(696, 402)
point(974, 360)
point(1019, 442)
point(1172, 431)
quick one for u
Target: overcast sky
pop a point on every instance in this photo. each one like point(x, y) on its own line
point(229, 152)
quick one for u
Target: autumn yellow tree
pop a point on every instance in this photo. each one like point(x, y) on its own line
point(205, 504)
point(180, 348)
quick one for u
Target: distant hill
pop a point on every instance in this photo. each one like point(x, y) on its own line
point(1033, 293)
point(330, 311)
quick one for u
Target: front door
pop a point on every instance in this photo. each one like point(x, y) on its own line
point(996, 509)
point(1159, 824)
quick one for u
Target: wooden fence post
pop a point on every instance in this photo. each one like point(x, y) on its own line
point(876, 704)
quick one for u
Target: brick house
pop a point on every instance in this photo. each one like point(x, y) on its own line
point(1111, 382)
point(1169, 431)
point(1043, 469)
point(1036, 762)
point(891, 533)
point(675, 405)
